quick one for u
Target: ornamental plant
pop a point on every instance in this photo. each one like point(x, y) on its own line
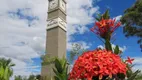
point(103, 64)
point(98, 63)
point(61, 68)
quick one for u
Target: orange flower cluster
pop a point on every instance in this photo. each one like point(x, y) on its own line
point(97, 63)
point(105, 26)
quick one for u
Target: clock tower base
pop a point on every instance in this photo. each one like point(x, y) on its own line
point(56, 47)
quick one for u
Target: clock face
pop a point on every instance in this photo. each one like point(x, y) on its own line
point(62, 5)
point(53, 4)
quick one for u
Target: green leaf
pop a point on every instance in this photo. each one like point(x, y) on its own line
point(56, 78)
point(1, 72)
point(6, 77)
point(108, 45)
point(106, 15)
point(99, 17)
point(121, 76)
point(116, 50)
point(64, 65)
point(55, 71)
point(58, 66)
point(133, 76)
point(60, 69)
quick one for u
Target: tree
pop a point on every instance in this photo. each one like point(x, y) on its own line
point(132, 21)
point(19, 77)
point(38, 77)
point(76, 51)
point(6, 70)
point(139, 76)
point(30, 77)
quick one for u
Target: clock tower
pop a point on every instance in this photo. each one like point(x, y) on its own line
point(56, 35)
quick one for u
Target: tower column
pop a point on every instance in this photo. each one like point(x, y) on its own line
point(56, 35)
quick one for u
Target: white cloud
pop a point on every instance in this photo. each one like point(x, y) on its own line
point(101, 46)
point(122, 48)
point(137, 63)
point(82, 29)
point(138, 60)
point(18, 40)
point(79, 15)
point(117, 18)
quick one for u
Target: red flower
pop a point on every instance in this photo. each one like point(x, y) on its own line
point(105, 27)
point(129, 60)
point(97, 63)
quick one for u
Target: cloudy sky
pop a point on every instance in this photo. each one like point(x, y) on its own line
point(23, 30)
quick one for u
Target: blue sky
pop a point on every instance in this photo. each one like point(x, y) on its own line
point(23, 30)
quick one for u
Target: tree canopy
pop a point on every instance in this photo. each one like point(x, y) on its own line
point(132, 21)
